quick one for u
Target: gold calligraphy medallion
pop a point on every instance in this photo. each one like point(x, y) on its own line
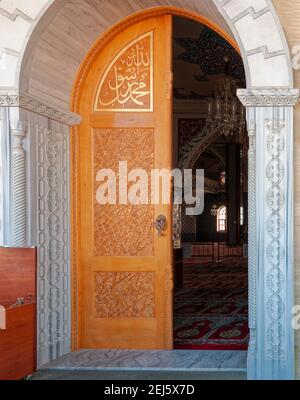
point(127, 83)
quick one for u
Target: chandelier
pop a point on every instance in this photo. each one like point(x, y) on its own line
point(224, 109)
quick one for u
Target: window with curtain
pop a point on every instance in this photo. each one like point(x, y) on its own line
point(222, 219)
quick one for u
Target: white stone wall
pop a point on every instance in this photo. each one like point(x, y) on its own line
point(261, 41)
point(17, 19)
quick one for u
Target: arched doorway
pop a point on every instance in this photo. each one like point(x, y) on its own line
point(40, 93)
point(122, 263)
point(275, 126)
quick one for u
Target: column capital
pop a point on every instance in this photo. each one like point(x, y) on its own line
point(18, 125)
point(283, 97)
point(18, 128)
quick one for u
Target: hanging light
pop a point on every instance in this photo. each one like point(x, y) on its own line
point(224, 109)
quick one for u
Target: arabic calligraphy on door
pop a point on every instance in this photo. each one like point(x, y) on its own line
point(127, 84)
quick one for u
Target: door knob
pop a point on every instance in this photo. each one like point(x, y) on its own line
point(160, 224)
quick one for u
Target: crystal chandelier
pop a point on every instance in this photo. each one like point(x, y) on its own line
point(224, 109)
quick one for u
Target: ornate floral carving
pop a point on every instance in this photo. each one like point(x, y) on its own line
point(275, 251)
point(52, 158)
point(127, 84)
point(125, 294)
point(123, 230)
point(268, 97)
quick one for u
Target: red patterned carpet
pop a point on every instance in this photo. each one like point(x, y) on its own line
point(211, 312)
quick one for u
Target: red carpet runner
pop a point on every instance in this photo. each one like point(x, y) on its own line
point(211, 312)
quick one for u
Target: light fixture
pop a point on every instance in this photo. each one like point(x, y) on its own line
point(224, 109)
point(222, 179)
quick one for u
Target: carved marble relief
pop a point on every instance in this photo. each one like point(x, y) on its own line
point(123, 230)
point(127, 84)
point(124, 294)
point(275, 252)
point(53, 238)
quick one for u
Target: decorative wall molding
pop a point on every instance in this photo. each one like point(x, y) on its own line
point(15, 14)
point(52, 171)
point(18, 190)
point(266, 55)
point(275, 247)
point(29, 11)
point(258, 34)
point(15, 98)
point(268, 97)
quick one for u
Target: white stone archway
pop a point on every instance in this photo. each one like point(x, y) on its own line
point(41, 51)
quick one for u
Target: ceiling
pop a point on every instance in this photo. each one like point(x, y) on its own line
point(199, 58)
point(67, 31)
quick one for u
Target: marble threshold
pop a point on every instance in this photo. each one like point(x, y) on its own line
point(150, 360)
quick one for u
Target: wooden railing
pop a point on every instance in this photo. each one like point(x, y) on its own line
point(216, 250)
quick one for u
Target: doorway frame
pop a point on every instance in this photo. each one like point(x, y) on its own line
point(263, 106)
point(270, 98)
point(101, 43)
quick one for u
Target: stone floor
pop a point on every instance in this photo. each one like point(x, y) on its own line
point(101, 375)
point(125, 360)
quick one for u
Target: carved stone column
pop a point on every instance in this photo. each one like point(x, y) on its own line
point(18, 184)
point(271, 232)
point(252, 241)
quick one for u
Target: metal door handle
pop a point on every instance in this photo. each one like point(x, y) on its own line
point(160, 224)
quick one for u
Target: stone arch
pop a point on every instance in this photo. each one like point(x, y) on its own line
point(46, 44)
point(43, 47)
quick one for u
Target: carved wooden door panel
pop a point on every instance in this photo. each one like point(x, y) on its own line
point(125, 268)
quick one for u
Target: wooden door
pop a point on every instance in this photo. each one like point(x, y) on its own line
point(125, 268)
